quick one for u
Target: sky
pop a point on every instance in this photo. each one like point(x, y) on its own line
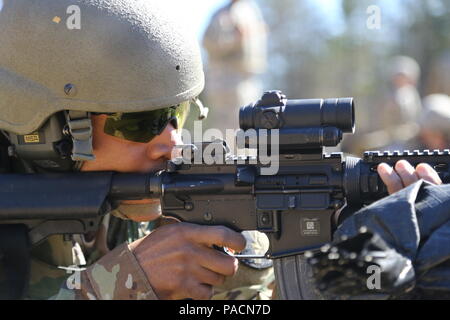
point(197, 11)
point(200, 11)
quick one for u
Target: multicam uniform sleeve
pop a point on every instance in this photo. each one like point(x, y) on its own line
point(116, 276)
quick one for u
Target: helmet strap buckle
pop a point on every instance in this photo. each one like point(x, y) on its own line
point(80, 129)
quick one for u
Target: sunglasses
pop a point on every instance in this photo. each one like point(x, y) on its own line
point(144, 126)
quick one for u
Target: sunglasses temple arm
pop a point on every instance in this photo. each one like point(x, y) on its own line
point(202, 109)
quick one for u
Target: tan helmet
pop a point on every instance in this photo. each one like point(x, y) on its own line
point(406, 66)
point(92, 55)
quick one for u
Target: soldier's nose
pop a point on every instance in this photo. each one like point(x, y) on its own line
point(162, 146)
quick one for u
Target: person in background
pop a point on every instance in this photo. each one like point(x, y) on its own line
point(235, 42)
point(434, 123)
point(397, 115)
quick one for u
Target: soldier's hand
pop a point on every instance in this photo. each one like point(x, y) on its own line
point(179, 260)
point(404, 174)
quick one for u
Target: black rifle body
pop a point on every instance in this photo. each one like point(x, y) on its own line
point(295, 208)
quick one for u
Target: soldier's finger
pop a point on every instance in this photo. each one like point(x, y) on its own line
point(209, 277)
point(217, 261)
point(217, 235)
point(390, 178)
point(426, 172)
point(406, 172)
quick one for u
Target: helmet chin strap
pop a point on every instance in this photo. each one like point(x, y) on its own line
point(80, 128)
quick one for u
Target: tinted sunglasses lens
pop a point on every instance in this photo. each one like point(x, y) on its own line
point(144, 126)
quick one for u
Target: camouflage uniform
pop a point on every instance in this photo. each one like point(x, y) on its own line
point(435, 119)
point(255, 278)
point(56, 272)
point(58, 267)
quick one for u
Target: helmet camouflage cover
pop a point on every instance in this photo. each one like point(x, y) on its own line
point(123, 56)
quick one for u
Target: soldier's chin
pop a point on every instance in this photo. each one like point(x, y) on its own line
point(139, 212)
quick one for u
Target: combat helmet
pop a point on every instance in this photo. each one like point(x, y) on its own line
point(61, 60)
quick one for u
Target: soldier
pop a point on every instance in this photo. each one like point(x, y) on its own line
point(236, 44)
point(117, 83)
point(403, 109)
point(434, 124)
point(235, 41)
point(405, 75)
point(125, 72)
point(396, 116)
